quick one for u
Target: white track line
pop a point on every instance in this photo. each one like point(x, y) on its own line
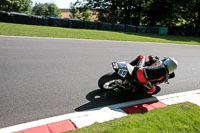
point(75, 39)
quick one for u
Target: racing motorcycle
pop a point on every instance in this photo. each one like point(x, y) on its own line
point(122, 79)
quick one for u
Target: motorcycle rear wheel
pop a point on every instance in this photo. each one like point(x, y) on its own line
point(109, 81)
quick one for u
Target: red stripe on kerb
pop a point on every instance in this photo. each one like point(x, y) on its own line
point(39, 129)
point(143, 107)
point(57, 127)
point(61, 126)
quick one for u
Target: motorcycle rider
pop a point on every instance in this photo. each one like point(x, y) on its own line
point(153, 71)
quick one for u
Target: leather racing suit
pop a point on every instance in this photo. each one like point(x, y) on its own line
point(149, 73)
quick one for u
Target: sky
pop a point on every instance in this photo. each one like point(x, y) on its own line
point(59, 3)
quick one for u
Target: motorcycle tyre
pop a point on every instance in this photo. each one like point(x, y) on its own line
point(108, 77)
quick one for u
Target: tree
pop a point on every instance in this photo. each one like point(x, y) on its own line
point(197, 14)
point(130, 11)
point(46, 9)
point(86, 15)
point(79, 12)
point(22, 6)
point(74, 11)
point(117, 11)
point(170, 13)
point(107, 9)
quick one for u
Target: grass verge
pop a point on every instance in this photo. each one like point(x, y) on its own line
point(45, 31)
point(179, 118)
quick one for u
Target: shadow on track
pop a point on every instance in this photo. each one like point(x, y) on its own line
point(99, 98)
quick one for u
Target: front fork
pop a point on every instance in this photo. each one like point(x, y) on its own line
point(119, 85)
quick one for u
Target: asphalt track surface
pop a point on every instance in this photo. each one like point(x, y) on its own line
point(45, 77)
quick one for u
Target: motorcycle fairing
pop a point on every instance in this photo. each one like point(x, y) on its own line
point(122, 72)
point(121, 68)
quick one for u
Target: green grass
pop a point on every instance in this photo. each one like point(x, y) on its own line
point(179, 118)
point(45, 31)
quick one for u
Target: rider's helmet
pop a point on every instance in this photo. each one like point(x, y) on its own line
point(171, 64)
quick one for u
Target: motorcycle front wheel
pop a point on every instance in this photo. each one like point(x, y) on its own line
point(110, 81)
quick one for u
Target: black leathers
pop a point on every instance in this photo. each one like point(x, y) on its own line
point(150, 72)
point(154, 72)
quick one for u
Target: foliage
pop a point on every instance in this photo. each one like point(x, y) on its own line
point(170, 13)
point(117, 11)
point(184, 13)
point(46, 9)
point(80, 12)
point(106, 9)
point(22, 6)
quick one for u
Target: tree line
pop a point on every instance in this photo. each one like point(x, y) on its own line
point(169, 13)
point(25, 6)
